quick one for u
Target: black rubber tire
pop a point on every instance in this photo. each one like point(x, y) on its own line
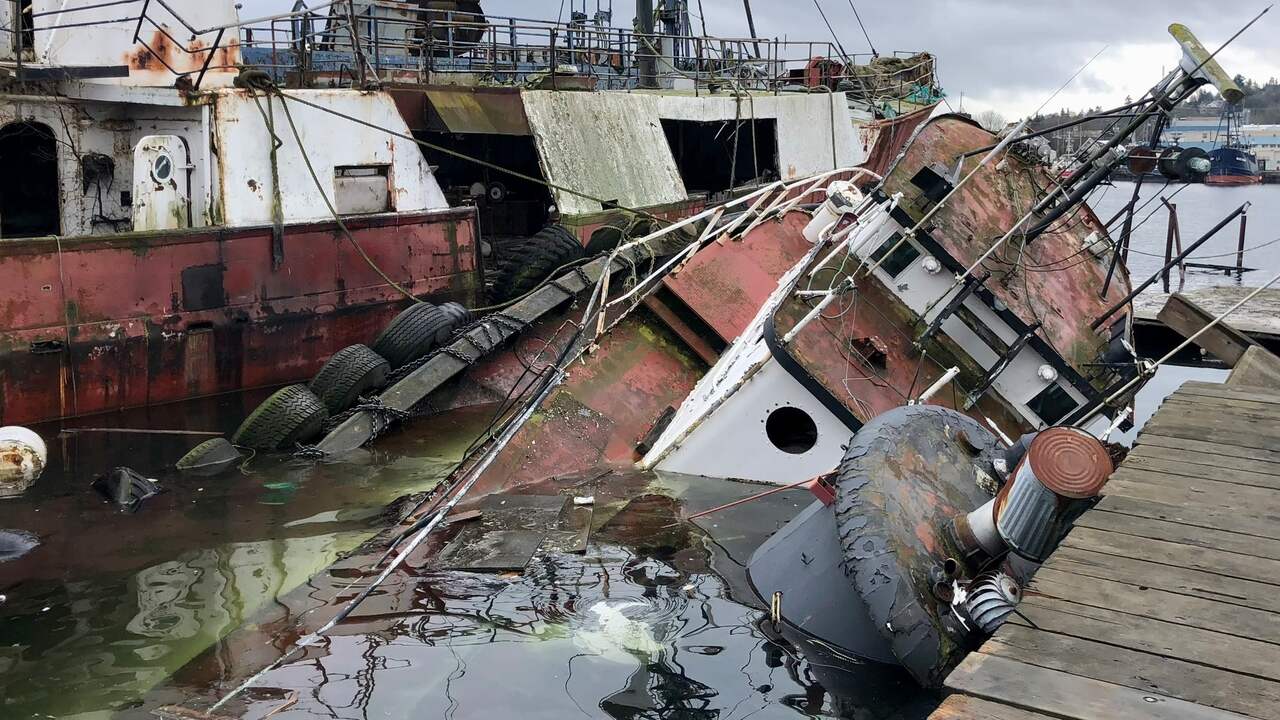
point(412, 334)
point(608, 236)
point(351, 372)
point(530, 261)
point(292, 414)
point(459, 317)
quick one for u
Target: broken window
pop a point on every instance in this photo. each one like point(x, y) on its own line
point(715, 156)
point(29, 186)
point(901, 257)
point(1052, 404)
point(361, 189)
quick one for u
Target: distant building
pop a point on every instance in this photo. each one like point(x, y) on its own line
point(1202, 131)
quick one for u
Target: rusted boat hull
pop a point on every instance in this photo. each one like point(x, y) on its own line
point(99, 324)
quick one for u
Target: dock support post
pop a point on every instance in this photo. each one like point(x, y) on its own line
point(1244, 222)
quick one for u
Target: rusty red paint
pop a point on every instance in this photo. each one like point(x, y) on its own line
point(159, 317)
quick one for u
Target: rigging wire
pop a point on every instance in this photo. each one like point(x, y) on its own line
point(858, 17)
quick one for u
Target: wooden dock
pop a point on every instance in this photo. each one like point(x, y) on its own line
point(1260, 318)
point(1164, 600)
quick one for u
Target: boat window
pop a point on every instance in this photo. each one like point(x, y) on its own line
point(361, 189)
point(900, 260)
point(1052, 404)
point(791, 430)
point(29, 187)
point(715, 156)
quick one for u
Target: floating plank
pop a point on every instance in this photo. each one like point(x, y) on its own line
point(1184, 581)
point(1138, 670)
point(1258, 367)
point(1159, 605)
point(1066, 695)
point(962, 707)
point(1197, 537)
point(480, 550)
point(1187, 318)
point(1215, 561)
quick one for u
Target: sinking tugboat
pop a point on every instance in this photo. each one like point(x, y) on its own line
point(957, 274)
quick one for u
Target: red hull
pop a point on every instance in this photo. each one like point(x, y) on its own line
point(1233, 180)
point(106, 323)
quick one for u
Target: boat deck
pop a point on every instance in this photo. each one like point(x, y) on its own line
point(1163, 600)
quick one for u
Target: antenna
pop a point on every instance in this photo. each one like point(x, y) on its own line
point(857, 17)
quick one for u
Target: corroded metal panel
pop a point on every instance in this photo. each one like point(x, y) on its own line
point(725, 284)
point(491, 111)
point(131, 320)
point(1053, 280)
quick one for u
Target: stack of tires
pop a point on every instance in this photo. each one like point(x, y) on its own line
point(297, 413)
point(527, 262)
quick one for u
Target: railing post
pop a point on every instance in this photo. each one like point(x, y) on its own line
point(1244, 220)
point(1168, 243)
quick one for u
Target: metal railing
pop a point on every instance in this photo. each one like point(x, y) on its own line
point(344, 43)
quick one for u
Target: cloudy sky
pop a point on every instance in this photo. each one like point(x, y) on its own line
point(1007, 55)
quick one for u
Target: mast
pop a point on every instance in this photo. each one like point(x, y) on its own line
point(751, 24)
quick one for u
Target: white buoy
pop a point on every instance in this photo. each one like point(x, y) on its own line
point(23, 456)
point(842, 197)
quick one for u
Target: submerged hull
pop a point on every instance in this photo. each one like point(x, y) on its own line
point(100, 324)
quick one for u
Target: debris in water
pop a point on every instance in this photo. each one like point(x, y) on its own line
point(210, 457)
point(23, 456)
point(126, 488)
point(14, 544)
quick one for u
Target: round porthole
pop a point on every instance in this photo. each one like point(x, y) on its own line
point(162, 168)
point(791, 430)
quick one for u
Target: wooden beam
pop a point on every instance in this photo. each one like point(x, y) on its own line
point(1187, 318)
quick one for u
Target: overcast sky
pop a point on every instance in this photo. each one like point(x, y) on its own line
point(1007, 55)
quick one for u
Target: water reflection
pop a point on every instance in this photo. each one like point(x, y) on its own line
point(110, 604)
point(638, 627)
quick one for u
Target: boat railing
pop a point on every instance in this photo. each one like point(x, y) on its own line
point(353, 43)
point(350, 43)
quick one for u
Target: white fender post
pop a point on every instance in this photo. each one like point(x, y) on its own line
point(936, 386)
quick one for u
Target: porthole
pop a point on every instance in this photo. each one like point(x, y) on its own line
point(162, 168)
point(791, 430)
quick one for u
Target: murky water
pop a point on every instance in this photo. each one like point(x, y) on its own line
point(1200, 207)
point(110, 603)
point(654, 620)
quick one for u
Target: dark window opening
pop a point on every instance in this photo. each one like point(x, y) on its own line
point(933, 183)
point(1052, 404)
point(791, 430)
point(716, 156)
point(29, 186)
point(28, 36)
point(508, 206)
point(900, 259)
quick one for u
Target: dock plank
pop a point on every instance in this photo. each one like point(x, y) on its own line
point(1163, 505)
point(1193, 462)
point(1184, 581)
point(1067, 695)
point(1211, 450)
point(1175, 532)
point(963, 707)
point(1148, 601)
point(1176, 489)
point(1250, 696)
point(1170, 463)
point(1146, 636)
point(1218, 562)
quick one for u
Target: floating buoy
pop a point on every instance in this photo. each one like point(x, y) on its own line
point(23, 456)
